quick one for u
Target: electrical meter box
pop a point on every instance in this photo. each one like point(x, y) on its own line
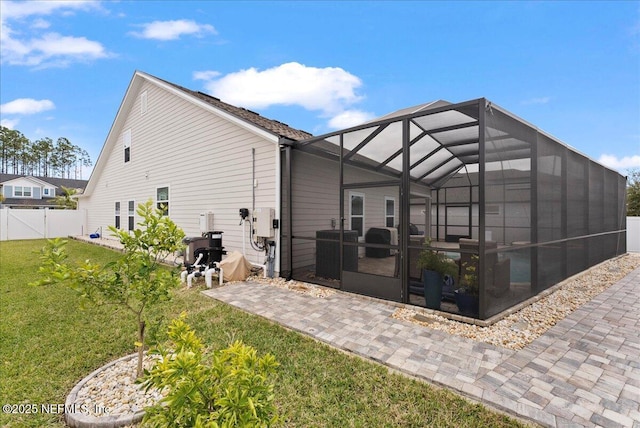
point(206, 222)
point(263, 222)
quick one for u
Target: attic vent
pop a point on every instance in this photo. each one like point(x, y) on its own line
point(143, 102)
point(208, 96)
point(247, 110)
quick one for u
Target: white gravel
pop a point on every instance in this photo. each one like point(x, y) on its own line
point(113, 391)
point(521, 328)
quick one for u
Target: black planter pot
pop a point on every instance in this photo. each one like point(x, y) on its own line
point(432, 288)
point(468, 304)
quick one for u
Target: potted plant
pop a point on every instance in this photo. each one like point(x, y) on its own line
point(435, 265)
point(467, 296)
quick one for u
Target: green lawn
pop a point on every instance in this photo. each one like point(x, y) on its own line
point(48, 342)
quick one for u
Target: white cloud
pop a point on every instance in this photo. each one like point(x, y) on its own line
point(330, 90)
point(172, 30)
point(539, 100)
point(43, 49)
point(620, 164)
point(205, 75)
point(26, 106)
point(9, 123)
point(350, 118)
point(22, 9)
point(40, 24)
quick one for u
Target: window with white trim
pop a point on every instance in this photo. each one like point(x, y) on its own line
point(126, 141)
point(117, 215)
point(356, 212)
point(132, 215)
point(22, 191)
point(45, 192)
point(162, 199)
point(389, 211)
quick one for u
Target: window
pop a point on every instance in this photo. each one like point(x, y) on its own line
point(356, 212)
point(162, 199)
point(20, 191)
point(117, 214)
point(132, 215)
point(389, 211)
point(492, 209)
point(126, 140)
point(143, 102)
point(45, 191)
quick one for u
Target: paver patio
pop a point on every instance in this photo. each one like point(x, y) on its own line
point(584, 371)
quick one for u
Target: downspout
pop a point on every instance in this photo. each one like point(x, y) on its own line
point(278, 206)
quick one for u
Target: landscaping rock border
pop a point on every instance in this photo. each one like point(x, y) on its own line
point(84, 411)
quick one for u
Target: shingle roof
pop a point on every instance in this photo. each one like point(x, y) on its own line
point(273, 126)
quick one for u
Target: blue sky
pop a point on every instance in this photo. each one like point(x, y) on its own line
point(570, 68)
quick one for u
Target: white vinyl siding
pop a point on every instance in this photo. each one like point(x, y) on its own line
point(205, 160)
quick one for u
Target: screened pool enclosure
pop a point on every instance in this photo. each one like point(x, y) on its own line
point(485, 188)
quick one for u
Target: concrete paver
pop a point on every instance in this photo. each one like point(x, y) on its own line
point(584, 371)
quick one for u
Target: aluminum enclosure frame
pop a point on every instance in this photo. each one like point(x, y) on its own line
point(474, 155)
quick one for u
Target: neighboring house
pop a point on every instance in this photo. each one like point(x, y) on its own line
point(29, 192)
point(191, 153)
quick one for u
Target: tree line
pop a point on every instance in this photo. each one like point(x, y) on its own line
point(43, 157)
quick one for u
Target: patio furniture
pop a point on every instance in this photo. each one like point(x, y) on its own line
point(379, 235)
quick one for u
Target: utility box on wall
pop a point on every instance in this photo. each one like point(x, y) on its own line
point(263, 222)
point(206, 222)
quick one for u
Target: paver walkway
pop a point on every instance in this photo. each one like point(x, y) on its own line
point(584, 371)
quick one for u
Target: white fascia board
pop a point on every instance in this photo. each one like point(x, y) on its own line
point(218, 112)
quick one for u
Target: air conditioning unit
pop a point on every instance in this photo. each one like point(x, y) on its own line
point(206, 222)
point(263, 222)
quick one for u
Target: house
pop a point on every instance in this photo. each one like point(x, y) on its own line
point(30, 192)
point(353, 208)
point(192, 154)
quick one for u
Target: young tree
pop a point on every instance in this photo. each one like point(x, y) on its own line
point(135, 281)
point(633, 193)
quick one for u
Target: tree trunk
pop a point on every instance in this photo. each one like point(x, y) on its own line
point(140, 347)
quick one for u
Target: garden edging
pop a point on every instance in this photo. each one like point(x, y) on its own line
point(82, 419)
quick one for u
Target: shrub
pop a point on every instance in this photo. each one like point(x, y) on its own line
point(232, 390)
point(436, 261)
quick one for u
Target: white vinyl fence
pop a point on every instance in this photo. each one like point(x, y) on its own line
point(37, 224)
point(633, 234)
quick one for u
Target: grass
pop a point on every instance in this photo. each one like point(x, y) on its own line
point(48, 343)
